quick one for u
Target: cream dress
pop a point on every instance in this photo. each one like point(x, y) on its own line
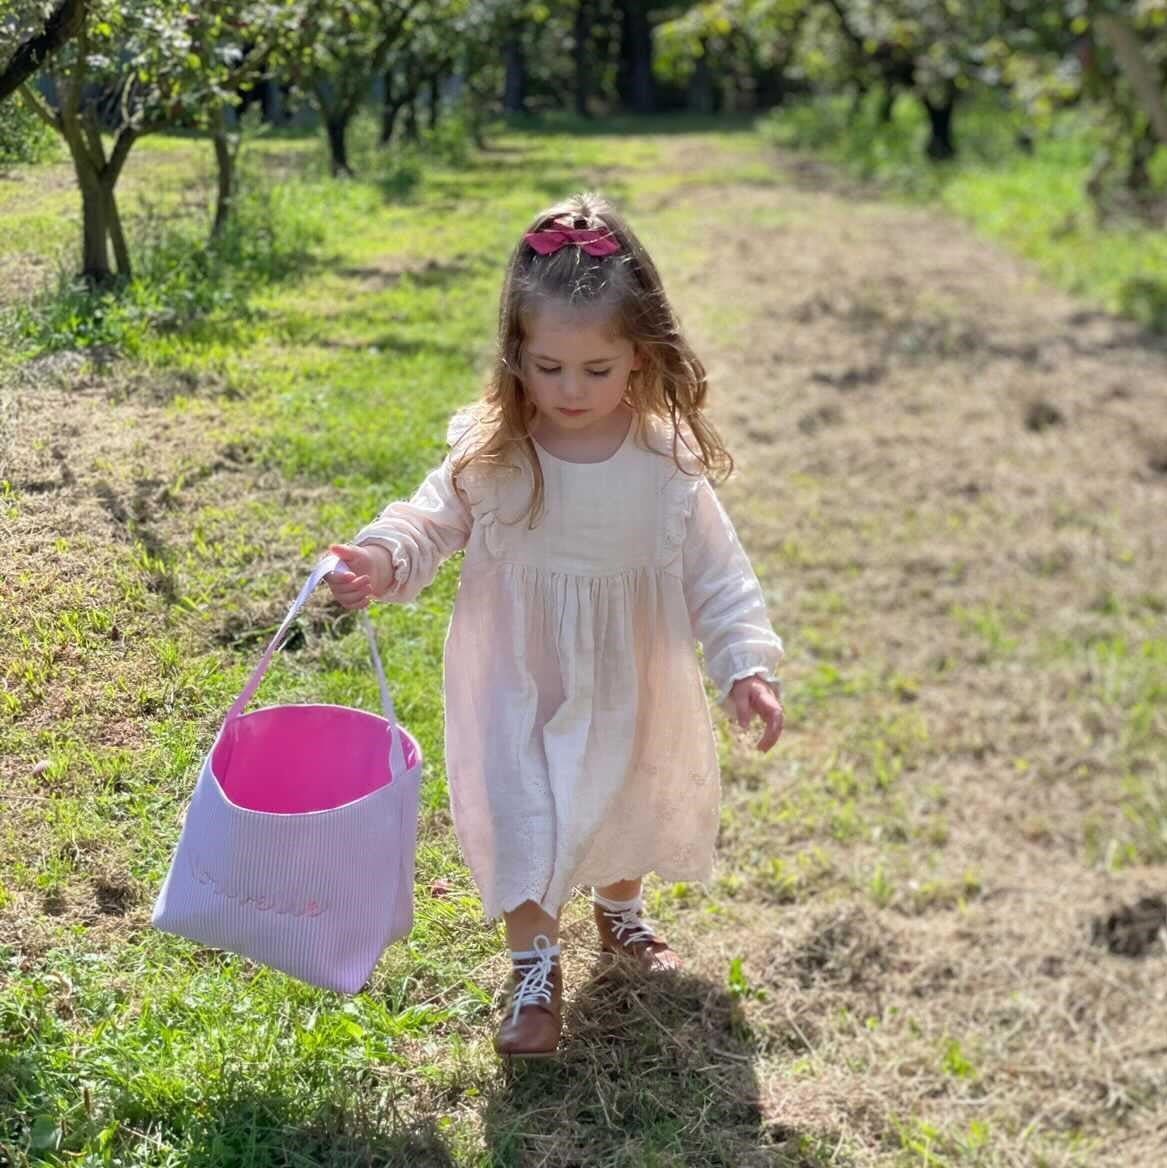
point(579, 745)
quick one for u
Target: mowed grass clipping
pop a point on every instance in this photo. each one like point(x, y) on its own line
point(887, 968)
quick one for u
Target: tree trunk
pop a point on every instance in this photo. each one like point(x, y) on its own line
point(226, 182)
point(389, 112)
point(636, 88)
point(771, 85)
point(857, 98)
point(1138, 174)
point(887, 104)
point(476, 103)
point(702, 99)
point(941, 146)
point(97, 179)
point(95, 269)
point(100, 225)
point(271, 102)
point(337, 126)
point(389, 107)
point(435, 102)
point(583, 29)
point(412, 126)
point(225, 163)
point(514, 98)
point(1139, 72)
point(121, 253)
point(97, 176)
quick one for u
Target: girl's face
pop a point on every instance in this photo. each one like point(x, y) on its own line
point(575, 367)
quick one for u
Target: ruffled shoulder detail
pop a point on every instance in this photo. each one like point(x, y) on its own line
point(676, 444)
point(480, 483)
point(464, 432)
point(464, 428)
point(682, 479)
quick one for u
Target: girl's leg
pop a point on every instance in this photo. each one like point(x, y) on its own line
point(621, 890)
point(526, 922)
point(625, 930)
point(530, 1028)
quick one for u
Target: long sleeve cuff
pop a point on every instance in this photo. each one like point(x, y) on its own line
point(759, 655)
point(760, 671)
point(399, 591)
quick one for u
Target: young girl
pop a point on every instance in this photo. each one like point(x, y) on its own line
point(579, 745)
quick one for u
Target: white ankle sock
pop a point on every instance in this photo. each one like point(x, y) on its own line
point(634, 905)
point(546, 950)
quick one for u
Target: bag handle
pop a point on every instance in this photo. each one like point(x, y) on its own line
point(326, 565)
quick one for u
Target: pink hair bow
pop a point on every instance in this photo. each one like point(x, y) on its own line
point(593, 240)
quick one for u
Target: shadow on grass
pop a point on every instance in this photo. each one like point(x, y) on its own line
point(487, 173)
point(650, 1070)
point(555, 123)
point(260, 1129)
point(432, 274)
point(490, 174)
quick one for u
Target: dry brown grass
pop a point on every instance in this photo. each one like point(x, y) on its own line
point(948, 482)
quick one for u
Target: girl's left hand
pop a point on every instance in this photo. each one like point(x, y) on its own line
point(750, 696)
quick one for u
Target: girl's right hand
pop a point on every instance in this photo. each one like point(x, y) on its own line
point(369, 573)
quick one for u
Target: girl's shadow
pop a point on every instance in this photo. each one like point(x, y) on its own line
point(652, 1069)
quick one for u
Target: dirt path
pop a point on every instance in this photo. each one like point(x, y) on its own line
point(953, 480)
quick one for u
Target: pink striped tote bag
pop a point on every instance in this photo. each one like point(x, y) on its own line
point(299, 845)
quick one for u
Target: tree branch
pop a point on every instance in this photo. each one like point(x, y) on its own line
point(33, 100)
point(93, 141)
point(857, 42)
point(61, 26)
point(126, 138)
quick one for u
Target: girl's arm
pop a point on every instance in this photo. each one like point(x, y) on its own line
point(726, 606)
point(421, 533)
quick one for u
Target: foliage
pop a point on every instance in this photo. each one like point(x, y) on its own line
point(182, 283)
point(23, 136)
point(732, 43)
point(30, 33)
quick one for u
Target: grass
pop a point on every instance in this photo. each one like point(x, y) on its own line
point(1034, 202)
point(125, 1045)
point(213, 460)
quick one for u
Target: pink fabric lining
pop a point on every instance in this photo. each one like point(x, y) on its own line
point(288, 760)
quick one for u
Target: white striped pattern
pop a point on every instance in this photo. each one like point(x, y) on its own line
point(317, 895)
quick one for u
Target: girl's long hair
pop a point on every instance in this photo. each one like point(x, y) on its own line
point(623, 289)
